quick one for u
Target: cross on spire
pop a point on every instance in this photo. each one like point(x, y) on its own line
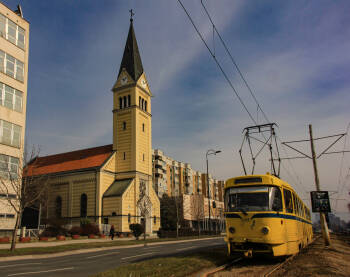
point(131, 14)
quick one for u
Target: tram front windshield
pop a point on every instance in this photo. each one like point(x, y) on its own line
point(253, 198)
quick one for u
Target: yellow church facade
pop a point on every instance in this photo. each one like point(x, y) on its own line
point(110, 184)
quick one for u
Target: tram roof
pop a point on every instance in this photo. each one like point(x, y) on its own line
point(253, 180)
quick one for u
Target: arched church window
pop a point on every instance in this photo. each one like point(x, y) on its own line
point(124, 125)
point(58, 207)
point(124, 100)
point(155, 219)
point(129, 101)
point(143, 157)
point(83, 205)
point(120, 103)
point(143, 127)
point(124, 156)
point(146, 106)
point(140, 102)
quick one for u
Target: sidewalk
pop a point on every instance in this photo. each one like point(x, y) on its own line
point(60, 242)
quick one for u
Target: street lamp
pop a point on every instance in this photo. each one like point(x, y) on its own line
point(210, 152)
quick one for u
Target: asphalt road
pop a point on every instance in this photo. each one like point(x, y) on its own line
point(86, 264)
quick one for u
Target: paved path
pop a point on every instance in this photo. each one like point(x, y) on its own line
point(56, 243)
point(86, 264)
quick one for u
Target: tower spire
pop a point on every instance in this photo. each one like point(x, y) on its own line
point(131, 58)
point(131, 15)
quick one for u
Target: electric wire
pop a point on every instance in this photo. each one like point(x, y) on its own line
point(342, 160)
point(236, 65)
point(248, 87)
point(224, 73)
point(217, 63)
point(297, 182)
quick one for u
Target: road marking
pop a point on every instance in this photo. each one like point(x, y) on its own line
point(137, 256)
point(44, 271)
point(106, 254)
point(152, 247)
point(186, 248)
point(11, 265)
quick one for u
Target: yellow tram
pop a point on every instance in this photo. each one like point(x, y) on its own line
point(264, 215)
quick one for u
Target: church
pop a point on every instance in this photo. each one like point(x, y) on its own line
point(110, 184)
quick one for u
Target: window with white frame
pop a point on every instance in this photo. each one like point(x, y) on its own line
point(11, 66)
point(10, 133)
point(11, 98)
point(12, 32)
point(8, 166)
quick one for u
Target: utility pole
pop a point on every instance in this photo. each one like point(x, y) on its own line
point(314, 158)
point(324, 227)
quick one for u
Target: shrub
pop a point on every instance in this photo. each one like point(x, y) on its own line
point(90, 229)
point(136, 229)
point(76, 230)
point(84, 221)
point(54, 231)
point(56, 227)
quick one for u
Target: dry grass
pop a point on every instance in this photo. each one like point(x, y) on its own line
point(178, 266)
point(319, 260)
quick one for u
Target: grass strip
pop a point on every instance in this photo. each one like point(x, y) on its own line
point(180, 265)
point(87, 245)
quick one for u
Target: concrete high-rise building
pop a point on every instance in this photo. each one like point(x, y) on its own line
point(14, 51)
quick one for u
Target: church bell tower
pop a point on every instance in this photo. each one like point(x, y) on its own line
point(132, 130)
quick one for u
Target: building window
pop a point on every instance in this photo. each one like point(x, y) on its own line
point(154, 219)
point(10, 133)
point(129, 101)
point(58, 207)
point(124, 156)
point(114, 214)
point(12, 32)
point(120, 103)
point(83, 205)
point(140, 101)
point(11, 98)
point(146, 106)
point(124, 125)
point(124, 102)
point(143, 127)
point(143, 157)
point(129, 218)
point(11, 66)
point(8, 167)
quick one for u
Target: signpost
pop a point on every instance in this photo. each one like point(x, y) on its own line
point(320, 202)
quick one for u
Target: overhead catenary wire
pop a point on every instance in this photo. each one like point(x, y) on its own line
point(236, 65)
point(212, 53)
point(341, 163)
point(217, 63)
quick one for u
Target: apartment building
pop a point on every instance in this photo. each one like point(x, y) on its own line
point(14, 51)
point(179, 179)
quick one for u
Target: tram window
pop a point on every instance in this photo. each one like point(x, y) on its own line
point(276, 199)
point(288, 200)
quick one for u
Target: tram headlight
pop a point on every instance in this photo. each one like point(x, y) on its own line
point(265, 230)
point(232, 230)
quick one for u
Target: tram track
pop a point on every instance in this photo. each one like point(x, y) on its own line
point(260, 267)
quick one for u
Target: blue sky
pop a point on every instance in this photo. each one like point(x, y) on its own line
point(294, 54)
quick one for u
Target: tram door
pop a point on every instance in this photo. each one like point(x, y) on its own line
point(290, 226)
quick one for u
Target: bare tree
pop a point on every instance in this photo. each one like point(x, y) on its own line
point(197, 209)
point(20, 181)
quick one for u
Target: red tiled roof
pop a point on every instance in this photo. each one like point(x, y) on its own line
point(75, 160)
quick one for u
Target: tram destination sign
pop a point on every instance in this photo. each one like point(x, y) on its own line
point(320, 202)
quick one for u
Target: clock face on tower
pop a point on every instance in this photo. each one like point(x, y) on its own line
point(124, 80)
point(143, 83)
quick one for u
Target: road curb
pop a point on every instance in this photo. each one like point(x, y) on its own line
point(88, 250)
